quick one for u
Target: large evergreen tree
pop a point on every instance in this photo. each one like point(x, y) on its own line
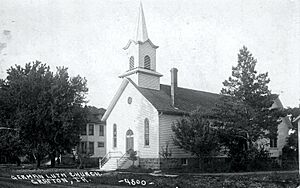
point(244, 114)
point(44, 107)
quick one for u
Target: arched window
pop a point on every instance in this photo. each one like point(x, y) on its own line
point(147, 62)
point(129, 133)
point(115, 136)
point(129, 140)
point(131, 62)
point(146, 132)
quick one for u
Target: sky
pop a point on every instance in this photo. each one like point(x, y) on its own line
point(201, 38)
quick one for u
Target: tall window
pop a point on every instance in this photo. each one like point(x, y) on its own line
point(101, 130)
point(83, 147)
point(115, 135)
point(83, 132)
point(131, 62)
point(273, 142)
point(147, 62)
point(146, 132)
point(91, 129)
point(91, 147)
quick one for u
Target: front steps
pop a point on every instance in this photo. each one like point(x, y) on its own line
point(114, 161)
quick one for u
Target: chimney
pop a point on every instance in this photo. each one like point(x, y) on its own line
point(173, 85)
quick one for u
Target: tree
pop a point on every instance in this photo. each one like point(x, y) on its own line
point(290, 150)
point(45, 107)
point(244, 114)
point(196, 134)
point(132, 155)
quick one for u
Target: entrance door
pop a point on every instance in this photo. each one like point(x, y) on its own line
point(129, 140)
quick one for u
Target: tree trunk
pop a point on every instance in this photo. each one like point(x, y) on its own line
point(38, 161)
point(18, 161)
point(52, 158)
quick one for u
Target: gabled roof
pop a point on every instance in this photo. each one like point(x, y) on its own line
point(297, 119)
point(187, 100)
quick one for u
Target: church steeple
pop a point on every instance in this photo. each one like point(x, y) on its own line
point(141, 32)
point(142, 57)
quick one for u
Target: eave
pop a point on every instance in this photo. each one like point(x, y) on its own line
point(140, 42)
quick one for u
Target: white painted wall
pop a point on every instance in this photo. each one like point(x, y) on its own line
point(132, 116)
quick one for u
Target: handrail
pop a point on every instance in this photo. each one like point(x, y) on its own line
point(123, 156)
point(104, 159)
point(107, 157)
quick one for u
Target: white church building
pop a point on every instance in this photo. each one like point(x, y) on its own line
point(141, 113)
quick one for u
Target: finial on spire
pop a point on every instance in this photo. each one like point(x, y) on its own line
point(141, 33)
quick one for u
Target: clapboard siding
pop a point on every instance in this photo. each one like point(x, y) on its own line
point(166, 134)
point(148, 81)
point(131, 116)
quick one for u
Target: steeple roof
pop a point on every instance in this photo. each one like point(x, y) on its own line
point(141, 32)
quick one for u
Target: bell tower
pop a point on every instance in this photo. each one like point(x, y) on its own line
point(141, 53)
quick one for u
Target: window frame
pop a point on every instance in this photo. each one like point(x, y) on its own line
point(184, 161)
point(91, 144)
point(273, 142)
point(115, 130)
point(147, 62)
point(131, 62)
point(89, 126)
point(83, 147)
point(101, 130)
point(99, 144)
point(146, 132)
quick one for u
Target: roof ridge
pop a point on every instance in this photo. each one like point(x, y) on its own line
point(192, 89)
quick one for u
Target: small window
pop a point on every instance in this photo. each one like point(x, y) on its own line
point(115, 136)
point(100, 144)
point(83, 131)
point(91, 129)
point(129, 100)
point(101, 130)
point(146, 132)
point(273, 142)
point(83, 147)
point(131, 62)
point(184, 161)
point(147, 62)
point(91, 147)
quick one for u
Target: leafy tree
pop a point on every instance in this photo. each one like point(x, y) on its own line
point(45, 108)
point(195, 134)
point(165, 151)
point(290, 150)
point(132, 155)
point(244, 114)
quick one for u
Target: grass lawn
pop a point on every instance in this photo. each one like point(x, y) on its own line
point(18, 178)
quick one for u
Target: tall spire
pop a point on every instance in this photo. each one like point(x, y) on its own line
point(141, 33)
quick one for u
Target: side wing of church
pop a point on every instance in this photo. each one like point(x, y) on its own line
point(141, 113)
